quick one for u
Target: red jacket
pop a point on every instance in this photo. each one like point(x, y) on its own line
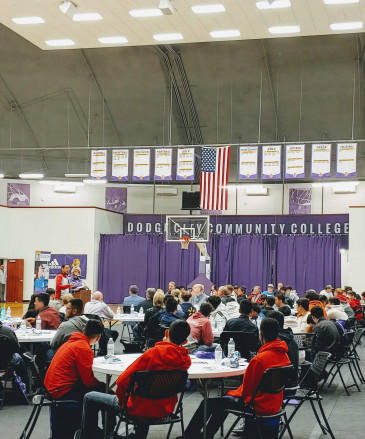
point(272, 354)
point(72, 362)
point(59, 285)
point(255, 298)
point(50, 318)
point(342, 298)
point(164, 356)
point(357, 308)
point(200, 328)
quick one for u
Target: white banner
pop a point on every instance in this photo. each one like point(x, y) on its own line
point(141, 165)
point(120, 159)
point(163, 163)
point(295, 161)
point(271, 162)
point(248, 156)
point(98, 164)
point(346, 160)
point(185, 164)
point(321, 160)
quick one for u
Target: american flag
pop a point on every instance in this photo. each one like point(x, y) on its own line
point(214, 178)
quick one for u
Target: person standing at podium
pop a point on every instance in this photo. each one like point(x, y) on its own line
point(63, 283)
point(76, 280)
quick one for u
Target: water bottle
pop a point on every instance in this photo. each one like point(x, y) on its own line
point(8, 313)
point(218, 355)
point(23, 326)
point(231, 348)
point(132, 309)
point(141, 312)
point(110, 347)
point(2, 314)
point(118, 311)
point(38, 325)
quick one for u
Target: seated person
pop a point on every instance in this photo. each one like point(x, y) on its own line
point(31, 311)
point(242, 323)
point(355, 305)
point(339, 293)
point(219, 313)
point(303, 313)
point(273, 353)
point(255, 313)
point(133, 298)
point(324, 299)
point(98, 307)
point(50, 317)
point(198, 295)
point(65, 300)
point(148, 303)
point(269, 306)
point(166, 355)
point(279, 300)
point(185, 304)
point(269, 291)
point(289, 320)
point(223, 294)
point(171, 313)
point(255, 296)
point(232, 308)
point(201, 334)
point(241, 293)
point(52, 294)
point(313, 298)
point(70, 374)
point(335, 310)
point(263, 301)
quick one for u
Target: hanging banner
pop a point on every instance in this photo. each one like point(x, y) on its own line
point(295, 161)
point(163, 163)
point(271, 162)
point(185, 164)
point(321, 160)
point(346, 160)
point(79, 261)
point(120, 159)
point(141, 165)
point(41, 271)
point(248, 156)
point(98, 164)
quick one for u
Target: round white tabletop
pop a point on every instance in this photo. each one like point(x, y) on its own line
point(29, 336)
point(136, 317)
point(14, 321)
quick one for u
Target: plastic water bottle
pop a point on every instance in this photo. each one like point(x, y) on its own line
point(23, 326)
point(118, 311)
point(110, 347)
point(218, 355)
point(8, 313)
point(231, 348)
point(132, 309)
point(140, 311)
point(38, 325)
point(2, 313)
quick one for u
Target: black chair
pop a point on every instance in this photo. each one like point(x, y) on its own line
point(353, 356)
point(42, 399)
point(304, 340)
point(6, 366)
point(273, 381)
point(155, 384)
point(246, 343)
point(309, 392)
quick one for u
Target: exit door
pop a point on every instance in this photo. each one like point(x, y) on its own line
point(14, 282)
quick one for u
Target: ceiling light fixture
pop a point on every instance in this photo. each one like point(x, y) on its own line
point(87, 16)
point(208, 9)
point(28, 20)
point(168, 37)
point(59, 43)
point(225, 33)
point(76, 175)
point(278, 4)
point(340, 2)
point(68, 8)
point(2, 175)
point(31, 176)
point(284, 30)
point(351, 25)
point(90, 181)
point(139, 13)
point(113, 40)
point(166, 7)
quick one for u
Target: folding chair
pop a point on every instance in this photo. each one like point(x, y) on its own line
point(6, 367)
point(42, 399)
point(273, 381)
point(353, 356)
point(155, 384)
point(309, 392)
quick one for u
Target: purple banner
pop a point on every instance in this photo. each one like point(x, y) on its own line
point(116, 199)
point(58, 260)
point(251, 225)
point(18, 195)
point(300, 201)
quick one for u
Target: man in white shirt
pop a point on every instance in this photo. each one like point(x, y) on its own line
point(2, 283)
point(327, 291)
point(98, 307)
point(303, 313)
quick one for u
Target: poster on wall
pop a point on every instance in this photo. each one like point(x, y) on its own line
point(98, 164)
point(57, 260)
point(271, 162)
point(163, 164)
point(321, 160)
point(141, 165)
point(18, 195)
point(116, 199)
point(41, 271)
point(346, 160)
point(120, 161)
point(300, 201)
point(248, 157)
point(295, 161)
point(185, 164)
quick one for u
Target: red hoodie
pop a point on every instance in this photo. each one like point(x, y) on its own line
point(272, 354)
point(72, 362)
point(357, 308)
point(164, 356)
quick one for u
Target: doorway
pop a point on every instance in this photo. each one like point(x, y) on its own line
point(14, 274)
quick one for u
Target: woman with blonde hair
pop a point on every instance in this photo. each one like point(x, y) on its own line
point(65, 300)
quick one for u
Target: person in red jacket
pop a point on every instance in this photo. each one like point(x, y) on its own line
point(70, 374)
point(49, 316)
point(166, 355)
point(355, 305)
point(63, 283)
point(273, 353)
point(201, 333)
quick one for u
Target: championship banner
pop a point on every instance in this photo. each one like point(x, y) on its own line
point(120, 158)
point(321, 160)
point(248, 157)
point(185, 164)
point(141, 165)
point(163, 164)
point(41, 271)
point(98, 164)
point(295, 161)
point(79, 261)
point(271, 162)
point(346, 160)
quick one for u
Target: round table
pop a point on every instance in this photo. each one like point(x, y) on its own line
point(13, 321)
point(30, 336)
point(125, 318)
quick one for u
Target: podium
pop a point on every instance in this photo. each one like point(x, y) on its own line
point(84, 294)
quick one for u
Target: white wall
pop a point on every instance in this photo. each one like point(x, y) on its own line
point(356, 249)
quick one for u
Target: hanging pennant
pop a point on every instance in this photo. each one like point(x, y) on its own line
point(185, 164)
point(271, 162)
point(295, 161)
point(248, 156)
point(120, 161)
point(163, 163)
point(98, 164)
point(141, 165)
point(346, 160)
point(321, 160)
